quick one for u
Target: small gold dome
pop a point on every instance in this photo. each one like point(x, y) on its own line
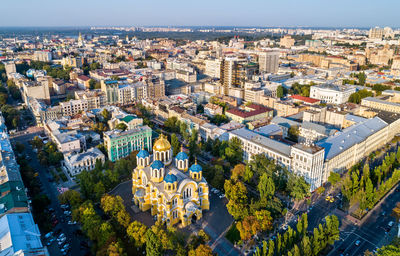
point(162, 144)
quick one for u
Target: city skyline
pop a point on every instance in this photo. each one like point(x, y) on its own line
point(288, 13)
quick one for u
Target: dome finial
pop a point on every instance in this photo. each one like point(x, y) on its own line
point(181, 147)
point(195, 160)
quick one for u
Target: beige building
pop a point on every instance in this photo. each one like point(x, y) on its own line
point(213, 68)
point(38, 90)
point(287, 41)
point(268, 62)
point(74, 107)
point(94, 98)
point(348, 147)
point(76, 163)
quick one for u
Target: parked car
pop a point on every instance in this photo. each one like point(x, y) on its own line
point(61, 241)
point(48, 235)
point(50, 241)
point(390, 224)
point(357, 243)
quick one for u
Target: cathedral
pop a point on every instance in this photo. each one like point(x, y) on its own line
point(173, 191)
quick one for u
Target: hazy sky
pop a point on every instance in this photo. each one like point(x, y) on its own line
point(322, 13)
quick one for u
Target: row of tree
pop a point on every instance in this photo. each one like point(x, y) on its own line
point(48, 153)
point(369, 186)
point(300, 242)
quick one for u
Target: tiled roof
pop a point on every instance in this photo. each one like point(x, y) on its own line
point(256, 110)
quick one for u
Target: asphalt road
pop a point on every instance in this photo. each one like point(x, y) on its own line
point(50, 189)
point(373, 232)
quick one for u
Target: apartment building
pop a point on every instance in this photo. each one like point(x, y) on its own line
point(74, 107)
point(249, 113)
point(38, 90)
point(213, 68)
point(44, 56)
point(95, 98)
point(67, 140)
point(75, 164)
point(385, 103)
point(268, 62)
point(120, 144)
point(131, 122)
point(287, 41)
point(20, 235)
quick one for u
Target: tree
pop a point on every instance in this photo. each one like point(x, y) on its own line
point(279, 91)
point(331, 230)
point(238, 171)
point(153, 245)
point(248, 227)
point(266, 187)
point(264, 219)
point(176, 146)
point(137, 232)
point(111, 205)
point(298, 187)
point(236, 193)
point(106, 115)
point(37, 143)
point(71, 197)
point(293, 133)
point(121, 126)
point(396, 211)
point(201, 250)
point(334, 178)
point(234, 152)
point(305, 246)
point(115, 249)
point(123, 218)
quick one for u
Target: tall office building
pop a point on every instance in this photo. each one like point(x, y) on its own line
point(268, 62)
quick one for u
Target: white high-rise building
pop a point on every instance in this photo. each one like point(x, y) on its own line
point(213, 68)
point(44, 56)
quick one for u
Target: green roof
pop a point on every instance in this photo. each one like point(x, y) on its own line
point(15, 196)
point(127, 119)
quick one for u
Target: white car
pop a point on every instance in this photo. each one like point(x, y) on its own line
point(62, 241)
point(221, 196)
point(390, 224)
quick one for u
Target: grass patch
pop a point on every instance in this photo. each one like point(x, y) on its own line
point(233, 234)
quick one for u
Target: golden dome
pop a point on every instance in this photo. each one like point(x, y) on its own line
point(161, 144)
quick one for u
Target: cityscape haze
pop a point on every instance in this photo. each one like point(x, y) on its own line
point(262, 128)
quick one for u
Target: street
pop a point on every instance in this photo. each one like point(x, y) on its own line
point(372, 233)
point(50, 189)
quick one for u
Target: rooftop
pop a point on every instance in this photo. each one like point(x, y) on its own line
point(254, 110)
point(263, 141)
point(341, 141)
point(118, 133)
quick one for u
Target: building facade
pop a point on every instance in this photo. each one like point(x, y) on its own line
point(75, 164)
point(120, 144)
point(172, 190)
